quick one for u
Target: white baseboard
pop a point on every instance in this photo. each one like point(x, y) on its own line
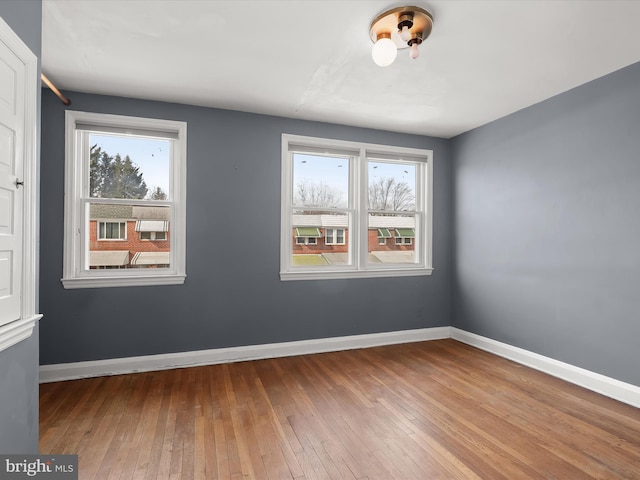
point(118, 366)
point(610, 387)
point(607, 386)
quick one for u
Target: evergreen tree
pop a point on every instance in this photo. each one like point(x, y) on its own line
point(158, 194)
point(114, 177)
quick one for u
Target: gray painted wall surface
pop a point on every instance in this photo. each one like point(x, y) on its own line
point(19, 363)
point(233, 295)
point(547, 227)
point(19, 397)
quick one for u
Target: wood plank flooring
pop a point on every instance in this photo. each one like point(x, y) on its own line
point(428, 410)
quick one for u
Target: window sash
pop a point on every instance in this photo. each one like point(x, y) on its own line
point(76, 271)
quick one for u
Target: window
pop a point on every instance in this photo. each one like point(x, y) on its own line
point(383, 234)
point(125, 186)
point(154, 230)
point(334, 236)
point(403, 241)
point(112, 231)
point(360, 195)
point(157, 236)
point(306, 241)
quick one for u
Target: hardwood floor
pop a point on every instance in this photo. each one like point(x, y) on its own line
point(428, 410)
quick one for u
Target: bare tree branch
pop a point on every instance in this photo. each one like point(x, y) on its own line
point(389, 194)
point(311, 194)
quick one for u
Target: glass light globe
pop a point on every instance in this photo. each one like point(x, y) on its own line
point(384, 52)
point(414, 52)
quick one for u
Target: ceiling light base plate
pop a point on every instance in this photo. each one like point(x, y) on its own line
point(387, 22)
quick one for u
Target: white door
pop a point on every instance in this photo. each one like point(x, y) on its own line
point(12, 131)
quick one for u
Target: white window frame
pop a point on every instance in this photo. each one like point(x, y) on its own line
point(359, 154)
point(76, 274)
point(333, 238)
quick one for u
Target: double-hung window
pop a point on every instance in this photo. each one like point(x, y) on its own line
point(359, 195)
point(125, 201)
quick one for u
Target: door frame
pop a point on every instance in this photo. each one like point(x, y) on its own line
point(18, 330)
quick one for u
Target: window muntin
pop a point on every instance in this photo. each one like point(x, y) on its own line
point(387, 188)
point(125, 180)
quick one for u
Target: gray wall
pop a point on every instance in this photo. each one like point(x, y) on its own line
point(233, 295)
point(547, 227)
point(19, 363)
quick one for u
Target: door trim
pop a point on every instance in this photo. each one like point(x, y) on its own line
point(18, 330)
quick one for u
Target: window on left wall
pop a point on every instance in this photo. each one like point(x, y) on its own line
point(125, 184)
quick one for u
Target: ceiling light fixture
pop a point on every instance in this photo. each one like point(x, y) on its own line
point(400, 27)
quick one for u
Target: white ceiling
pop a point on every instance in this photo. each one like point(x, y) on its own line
point(311, 59)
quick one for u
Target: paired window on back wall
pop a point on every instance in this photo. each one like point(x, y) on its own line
point(354, 210)
point(125, 201)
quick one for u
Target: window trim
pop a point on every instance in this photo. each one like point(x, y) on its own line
point(76, 236)
point(360, 153)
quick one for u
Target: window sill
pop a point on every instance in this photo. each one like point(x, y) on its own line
point(130, 281)
point(335, 275)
